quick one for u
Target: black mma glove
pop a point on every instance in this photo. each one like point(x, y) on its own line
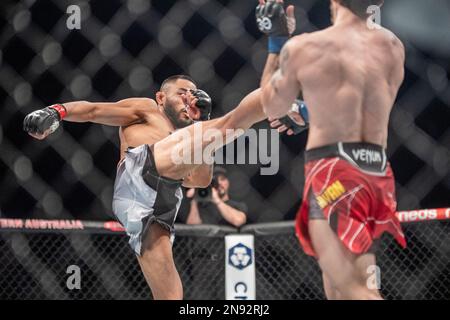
point(297, 118)
point(271, 19)
point(203, 103)
point(45, 119)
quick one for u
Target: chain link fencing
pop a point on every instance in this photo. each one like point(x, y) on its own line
point(34, 264)
point(126, 48)
point(422, 271)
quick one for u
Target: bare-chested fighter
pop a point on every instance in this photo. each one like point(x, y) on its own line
point(349, 75)
point(147, 209)
point(147, 191)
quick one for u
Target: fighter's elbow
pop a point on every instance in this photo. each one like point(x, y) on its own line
point(93, 112)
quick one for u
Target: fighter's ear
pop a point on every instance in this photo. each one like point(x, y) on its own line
point(160, 97)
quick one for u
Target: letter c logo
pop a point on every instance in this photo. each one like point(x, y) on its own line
point(239, 285)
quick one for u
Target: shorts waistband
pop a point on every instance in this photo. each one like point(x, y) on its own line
point(366, 156)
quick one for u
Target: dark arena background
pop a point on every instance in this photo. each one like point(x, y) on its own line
point(126, 48)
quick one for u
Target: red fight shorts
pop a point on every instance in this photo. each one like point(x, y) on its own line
point(352, 186)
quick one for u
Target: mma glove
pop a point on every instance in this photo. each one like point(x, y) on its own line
point(272, 20)
point(203, 103)
point(40, 121)
point(298, 110)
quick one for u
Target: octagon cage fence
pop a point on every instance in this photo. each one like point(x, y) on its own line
point(56, 194)
point(36, 255)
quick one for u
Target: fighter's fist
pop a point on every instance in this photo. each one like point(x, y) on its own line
point(203, 103)
point(296, 121)
point(40, 123)
point(273, 21)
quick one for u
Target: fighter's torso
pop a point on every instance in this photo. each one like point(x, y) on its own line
point(350, 83)
point(155, 128)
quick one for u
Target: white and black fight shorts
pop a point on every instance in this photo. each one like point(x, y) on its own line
point(142, 197)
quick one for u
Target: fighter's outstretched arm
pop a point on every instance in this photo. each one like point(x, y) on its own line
point(280, 92)
point(39, 124)
point(280, 29)
point(121, 113)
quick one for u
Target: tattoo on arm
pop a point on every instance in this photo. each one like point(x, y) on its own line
point(284, 57)
point(275, 79)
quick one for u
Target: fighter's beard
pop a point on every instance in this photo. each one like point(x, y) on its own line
point(174, 117)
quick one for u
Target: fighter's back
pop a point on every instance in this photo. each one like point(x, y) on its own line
point(350, 76)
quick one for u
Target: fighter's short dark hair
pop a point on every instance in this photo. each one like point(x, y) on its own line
point(359, 7)
point(175, 78)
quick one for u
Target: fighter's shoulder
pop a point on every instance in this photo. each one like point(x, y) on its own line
point(295, 45)
point(139, 102)
point(398, 44)
point(393, 39)
point(302, 40)
point(394, 43)
point(308, 42)
point(303, 47)
point(141, 105)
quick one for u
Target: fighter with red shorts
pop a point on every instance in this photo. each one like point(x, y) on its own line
point(349, 75)
point(350, 185)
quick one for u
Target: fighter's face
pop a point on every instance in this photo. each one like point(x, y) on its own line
point(223, 184)
point(176, 103)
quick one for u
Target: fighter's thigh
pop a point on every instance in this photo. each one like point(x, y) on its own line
point(156, 243)
point(335, 260)
point(158, 266)
point(184, 150)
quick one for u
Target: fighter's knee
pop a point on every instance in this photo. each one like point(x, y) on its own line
point(156, 255)
point(156, 247)
point(157, 258)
